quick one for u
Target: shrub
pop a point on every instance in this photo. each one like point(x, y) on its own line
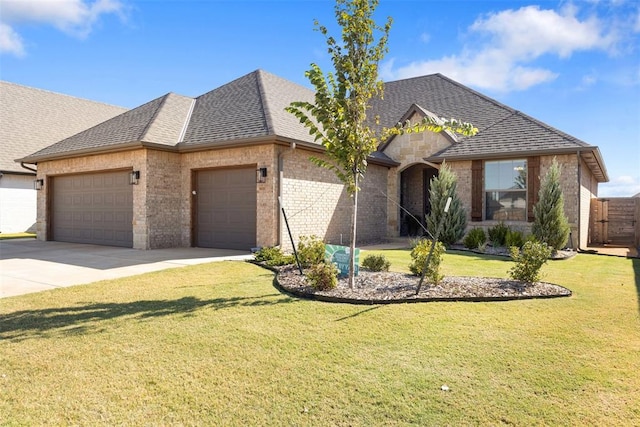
point(498, 234)
point(454, 223)
point(529, 261)
point(376, 263)
point(514, 238)
point(273, 256)
point(323, 276)
point(550, 224)
point(310, 250)
point(475, 239)
point(419, 256)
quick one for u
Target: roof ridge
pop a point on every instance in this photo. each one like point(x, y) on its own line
point(553, 129)
point(147, 127)
point(497, 122)
point(266, 110)
point(475, 92)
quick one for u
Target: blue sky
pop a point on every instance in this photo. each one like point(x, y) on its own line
point(574, 65)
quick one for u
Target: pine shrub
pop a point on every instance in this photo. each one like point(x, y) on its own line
point(498, 234)
point(551, 225)
point(273, 256)
point(475, 238)
point(514, 238)
point(529, 261)
point(374, 262)
point(419, 256)
point(454, 224)
point(322, 276)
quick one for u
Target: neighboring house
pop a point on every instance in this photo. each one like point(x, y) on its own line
point(32, 119)
point(209, 171)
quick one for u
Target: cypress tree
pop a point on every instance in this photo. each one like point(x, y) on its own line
point(551, 225)
point(455, 221)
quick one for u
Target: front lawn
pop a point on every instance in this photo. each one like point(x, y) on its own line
point(216, 344)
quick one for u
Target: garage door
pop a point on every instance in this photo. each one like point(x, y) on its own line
point(93, 208)
point(226, 208)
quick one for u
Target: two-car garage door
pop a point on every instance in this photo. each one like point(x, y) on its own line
point(94, 208)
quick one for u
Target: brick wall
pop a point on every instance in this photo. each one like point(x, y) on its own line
point(256, 156)
point(162, 206)
point(134, 159)
point(588, 191)
point(316, 202)
point(570, 188)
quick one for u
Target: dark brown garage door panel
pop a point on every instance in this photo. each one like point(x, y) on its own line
point(226, 208)
point(93, 208)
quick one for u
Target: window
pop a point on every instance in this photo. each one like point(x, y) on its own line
point(505, 184)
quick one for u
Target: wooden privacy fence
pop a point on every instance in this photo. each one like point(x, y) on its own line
point(615, 221)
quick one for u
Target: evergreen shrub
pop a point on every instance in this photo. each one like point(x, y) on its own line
point(475, 238)
point(375, 262)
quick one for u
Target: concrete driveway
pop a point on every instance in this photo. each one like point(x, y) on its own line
point(29, 265)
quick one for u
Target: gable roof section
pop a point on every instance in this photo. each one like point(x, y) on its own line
point(249, 107)
point(439, 95)
point(31, 119)
point(503, 131)
point(160, 122)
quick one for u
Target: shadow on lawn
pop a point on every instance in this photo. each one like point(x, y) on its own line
point(79, 319)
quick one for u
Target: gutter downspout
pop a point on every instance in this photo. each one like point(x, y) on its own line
point(28, 168)
point(280, 189)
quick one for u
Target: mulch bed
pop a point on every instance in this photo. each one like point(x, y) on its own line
point(390, 287)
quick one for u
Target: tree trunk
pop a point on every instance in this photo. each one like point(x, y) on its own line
point(352, 252)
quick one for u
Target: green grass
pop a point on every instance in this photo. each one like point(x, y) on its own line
point(7, 236)
point(216, 344)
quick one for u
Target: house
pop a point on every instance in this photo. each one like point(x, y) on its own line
point(210, 171)
point(32, 119)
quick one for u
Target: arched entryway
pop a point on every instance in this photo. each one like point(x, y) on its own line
point(414, 198)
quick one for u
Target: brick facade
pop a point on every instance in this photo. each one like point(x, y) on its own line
point(314, 199)
point(316, 202)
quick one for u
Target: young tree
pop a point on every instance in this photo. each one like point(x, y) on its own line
point(338, 117)
point(550, 224)
point(454, 222)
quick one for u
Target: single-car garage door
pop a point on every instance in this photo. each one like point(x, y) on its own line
point(226, 208)
point(93, 208)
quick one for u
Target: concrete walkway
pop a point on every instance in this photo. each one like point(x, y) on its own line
point(29, 265)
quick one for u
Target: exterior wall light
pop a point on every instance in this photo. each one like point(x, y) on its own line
point(261, 175)
point(38, 184)
point(134, 177)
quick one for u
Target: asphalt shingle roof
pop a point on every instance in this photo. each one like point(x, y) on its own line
point(515, 134)
point(248, 107)
point(252, 106)
point(439, 95)
point(31, 119)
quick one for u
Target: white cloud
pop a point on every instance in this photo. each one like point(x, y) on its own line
point(10, 41)
point(508, 43)
point(620, 186)
point(74, 17)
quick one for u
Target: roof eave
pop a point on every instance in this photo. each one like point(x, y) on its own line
point(35, 159)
